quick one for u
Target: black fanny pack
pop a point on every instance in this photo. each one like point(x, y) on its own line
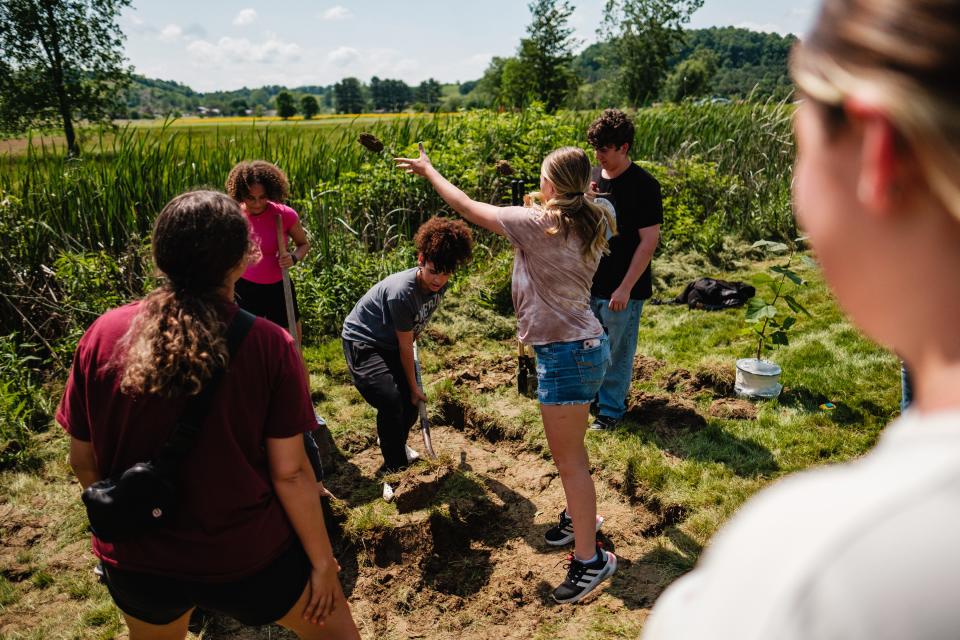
point(140, 500)
point(145, 497)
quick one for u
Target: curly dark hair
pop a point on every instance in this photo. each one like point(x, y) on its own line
point(612, 127)
point(269, 176)
point(447, 243)
point(177, 340)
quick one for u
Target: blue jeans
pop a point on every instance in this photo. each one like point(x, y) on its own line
point(571, 372)
point(622, 328)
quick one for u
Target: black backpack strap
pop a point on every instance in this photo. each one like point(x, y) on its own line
point(197, 407)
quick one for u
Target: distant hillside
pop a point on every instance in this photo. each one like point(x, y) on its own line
point(746, 61)
point(157, 98)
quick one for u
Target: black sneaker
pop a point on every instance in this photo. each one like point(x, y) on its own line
point(603, 423)
point(583, 578)
point(562, 533)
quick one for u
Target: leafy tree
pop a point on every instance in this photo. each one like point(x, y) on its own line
point(488, 87)
point(429, 94)
point(692, 77)
point(467, 87)
point(547, 52)
point(517, 84)
point(286, 107)
point(60, 60)
point(647, 33)
point(239, 107)
point(390, 95)
point(309, 107)
point(349, 96)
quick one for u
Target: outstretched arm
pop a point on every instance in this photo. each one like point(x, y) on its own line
point(479, 213)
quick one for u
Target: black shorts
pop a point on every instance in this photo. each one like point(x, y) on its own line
point(260, 599)
point(266, 300)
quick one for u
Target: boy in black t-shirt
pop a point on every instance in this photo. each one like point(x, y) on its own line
point(622, 282)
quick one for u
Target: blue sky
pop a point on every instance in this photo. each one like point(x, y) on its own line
point(227, 45)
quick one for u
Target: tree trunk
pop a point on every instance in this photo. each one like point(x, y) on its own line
point(56, 67)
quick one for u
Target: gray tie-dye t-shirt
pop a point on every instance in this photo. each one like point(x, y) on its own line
point(551, 279)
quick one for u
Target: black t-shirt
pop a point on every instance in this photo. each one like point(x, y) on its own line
point(635, 195)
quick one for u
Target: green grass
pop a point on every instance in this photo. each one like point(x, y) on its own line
point(710, 471)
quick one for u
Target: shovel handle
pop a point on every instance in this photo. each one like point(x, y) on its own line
point(422, 406)
point(287, 287)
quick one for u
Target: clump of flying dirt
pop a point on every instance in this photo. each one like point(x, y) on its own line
point(503, 168)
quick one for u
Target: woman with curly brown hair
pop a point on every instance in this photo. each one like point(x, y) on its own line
point(558, 238)
point(248, 538)
point(261, 188)
point(379, 333)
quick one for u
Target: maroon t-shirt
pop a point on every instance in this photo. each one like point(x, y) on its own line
point(230, 523)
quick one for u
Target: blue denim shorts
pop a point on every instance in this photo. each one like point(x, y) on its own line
point(571, 372)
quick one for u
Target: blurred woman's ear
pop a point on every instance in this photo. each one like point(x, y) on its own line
point(881, 162)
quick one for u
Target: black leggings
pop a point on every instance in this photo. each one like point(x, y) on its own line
point(378, 376)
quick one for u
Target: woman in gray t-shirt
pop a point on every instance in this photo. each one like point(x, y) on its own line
point(558, 240)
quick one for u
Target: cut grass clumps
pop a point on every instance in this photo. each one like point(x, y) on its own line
point(367, 519)
point(8, 592)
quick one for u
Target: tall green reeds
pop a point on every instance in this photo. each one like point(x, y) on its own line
point(353, 201)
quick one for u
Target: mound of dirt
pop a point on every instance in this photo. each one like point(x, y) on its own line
point(733, 409)
point(482, 375)
point(644, 367)
point(663, 415)
point(716, 379)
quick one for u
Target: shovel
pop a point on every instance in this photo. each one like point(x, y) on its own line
point(320, 450)
point(526, 371)
point(422, 406)
point(287, 289)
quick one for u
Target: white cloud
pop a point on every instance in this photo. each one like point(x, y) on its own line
point(171, 32)
point(269, 51)
point(479, 59)
point(245, 17)
point(343, 56)
point(336, 13)
point(136, 20)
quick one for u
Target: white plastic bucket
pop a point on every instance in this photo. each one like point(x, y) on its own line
point(758, 378)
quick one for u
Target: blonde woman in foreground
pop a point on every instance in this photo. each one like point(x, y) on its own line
point(558, 245)
point(867, 549)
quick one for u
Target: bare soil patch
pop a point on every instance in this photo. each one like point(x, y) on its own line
point(713, 378)
point(664, 415)
point(733, 409)
point(466, 557)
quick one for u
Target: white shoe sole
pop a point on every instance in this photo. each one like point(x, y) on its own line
point(388, 492)
point(565, 541)
point(611, 569)
point(412, 455)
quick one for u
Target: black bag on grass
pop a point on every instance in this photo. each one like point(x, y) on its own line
point(711, 294)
